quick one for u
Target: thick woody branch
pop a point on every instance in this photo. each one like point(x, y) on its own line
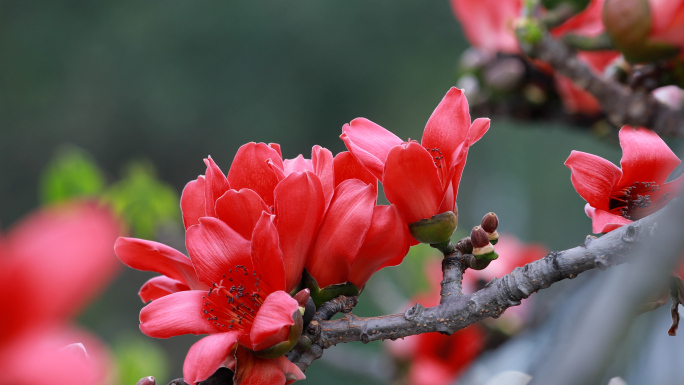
point(458, 311)
point(621, 104)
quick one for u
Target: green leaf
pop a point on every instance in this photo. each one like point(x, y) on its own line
point(72, 173)
point(142, 200)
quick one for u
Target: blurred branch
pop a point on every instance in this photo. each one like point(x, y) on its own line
point(459, 311)
point(621, 104)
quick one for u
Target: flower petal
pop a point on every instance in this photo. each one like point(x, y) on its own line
point(477, 130)
point(154, 256)
point(369, 143)
point(347, 167)
point(240, 210)
point(266, 255)
point(160, 286)
point(448, 125)
point(323, 168)
point(252, 370)
point(66, 250)
point(215, 248)
point(192, 202)
point(299, 208)
point(250, 170)
point(342, 232)
point(411, 182)
point(291, 371)
point(298, 164)
point(216, 184)
point(387, 243)
point(273, 320)
point(207, 355)
point(176, 314)
point(602, 221)
point(593, 177)
point(645, 157)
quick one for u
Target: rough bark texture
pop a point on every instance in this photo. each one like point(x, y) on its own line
point(621, 104)
point(458, 311)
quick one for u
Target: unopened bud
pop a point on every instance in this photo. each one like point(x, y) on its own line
point(437, 229)
point(489, 224)
point(149, 380)
point(482, 248)
point(280, 349)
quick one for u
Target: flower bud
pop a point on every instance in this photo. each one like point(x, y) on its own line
point(489, 224)
point(482, 248)
point(149, 380)
point(437, 229)
point(280, 349)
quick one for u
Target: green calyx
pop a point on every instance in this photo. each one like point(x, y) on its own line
point(487, 256)
point(437, 229)
point(280, 349)
point(321, 296)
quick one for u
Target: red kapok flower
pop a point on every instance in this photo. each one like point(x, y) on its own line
point(489, 24)
point(420, 179)
point(51, 265)
point(245, 303)
point(616, 197)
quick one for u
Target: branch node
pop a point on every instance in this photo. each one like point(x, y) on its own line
point(632, 232)
point(416, 311)
point(587, 241)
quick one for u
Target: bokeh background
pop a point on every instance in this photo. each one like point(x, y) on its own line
point(164, 84)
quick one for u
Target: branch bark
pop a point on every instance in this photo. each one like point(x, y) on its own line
point(458, 311)
point(621, 104)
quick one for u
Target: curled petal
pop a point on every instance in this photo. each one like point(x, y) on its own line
point(448, 125)
point(176, 314)
point(273, 320)
point(645, 157)
point(207, 355)
point(602, 221)
point(266, 255)
point(298, 164)
point(593, 177)
point(387, 243)
point(323, 168)
point(154, 256)
point(342, 232)
point(291, 371)
point(216, 248)
point(240, 210)
point(251, 370)
point(251, 170)
point(216, 184)
point(192, 202)
point(411, 182)
point(299, 208)
point(347, 167)
point(369, 143)
point(160, 286)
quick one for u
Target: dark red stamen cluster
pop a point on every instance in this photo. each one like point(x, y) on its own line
point(631, 201)
point(438, 157)
point(237, 304)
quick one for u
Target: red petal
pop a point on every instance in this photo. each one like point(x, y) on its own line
point(477, 130)
point(488, 24)
point(449, 125)
point(276, 147)
point(207, 355)
point(153, 256)
point(347, 167)
point(192, 202)
point(411, 182)
point(251, 370)
point(216, 185)
point(160, 286)
point(341, 233)
point(386, 244)
point(273, 320)
point(299, 208)
point(603, 221)
point(298, 164)
point(323, 168)
point(593, 177)
point(240, 210)
point(266, 255)
point(369, 143)
point(66, 251)
point(250, 170)
point(645, 157)
point(291, 371)
point(215, 248)
point(176, 314)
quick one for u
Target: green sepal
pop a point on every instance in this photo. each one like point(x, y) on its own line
point(321, 296)
point(489, 256)
point(437, 229)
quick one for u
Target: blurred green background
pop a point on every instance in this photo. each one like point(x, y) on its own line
point(164, 84)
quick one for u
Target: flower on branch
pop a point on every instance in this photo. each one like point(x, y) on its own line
point(617, 196)
point(51, 265)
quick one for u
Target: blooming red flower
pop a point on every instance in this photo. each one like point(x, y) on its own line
point(420, 179)
point(51, 265)
point(616, 197)
point(245, 304)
